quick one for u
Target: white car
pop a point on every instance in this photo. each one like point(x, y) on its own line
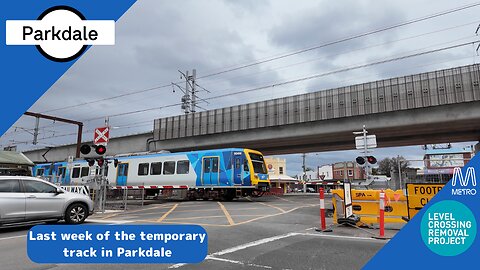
point(26, 199)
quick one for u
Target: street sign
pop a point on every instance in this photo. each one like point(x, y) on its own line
point(418, 195)
point(347, 189)
point(371, 142)
point(101, 136)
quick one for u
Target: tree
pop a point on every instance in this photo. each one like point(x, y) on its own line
point(388, 165)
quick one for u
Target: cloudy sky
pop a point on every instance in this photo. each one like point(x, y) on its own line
point(155, 39)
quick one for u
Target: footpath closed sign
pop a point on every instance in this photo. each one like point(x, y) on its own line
point(418, 195)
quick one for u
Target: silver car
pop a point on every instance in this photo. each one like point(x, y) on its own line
point(25, 199)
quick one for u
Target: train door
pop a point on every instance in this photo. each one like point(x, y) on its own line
point(210, 171)
point(61, 175)
point(122, 174)
point(237, 170)
point(246, 173)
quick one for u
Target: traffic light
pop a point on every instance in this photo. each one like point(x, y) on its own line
point(371, 159)
point(85, 149)
point(100, 150)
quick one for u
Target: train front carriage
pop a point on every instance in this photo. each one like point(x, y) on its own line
point(222, 173)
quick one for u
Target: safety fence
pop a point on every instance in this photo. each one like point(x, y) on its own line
point(366, 204)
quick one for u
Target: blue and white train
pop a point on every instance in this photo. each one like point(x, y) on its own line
point(220, 173)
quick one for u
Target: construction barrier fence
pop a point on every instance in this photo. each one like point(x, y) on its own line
point(366, 204)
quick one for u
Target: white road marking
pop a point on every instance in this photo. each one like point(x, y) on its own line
point(13, 237)
point(252, 244)
point(237, 262)
point(267, 240)
point(341, 237)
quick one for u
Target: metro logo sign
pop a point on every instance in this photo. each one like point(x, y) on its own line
point(463, 181)
point(101, 135)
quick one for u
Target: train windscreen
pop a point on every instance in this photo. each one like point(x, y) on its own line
point(258, 163)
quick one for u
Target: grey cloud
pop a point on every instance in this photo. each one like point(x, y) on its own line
point(331, 21)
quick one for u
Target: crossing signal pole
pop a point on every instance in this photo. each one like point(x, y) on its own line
point(364, 142)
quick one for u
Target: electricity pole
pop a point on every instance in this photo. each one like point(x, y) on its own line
point(304, 156)
point(193, 104)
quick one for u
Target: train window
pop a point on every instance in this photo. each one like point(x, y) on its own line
point(206, 165)
point(40, 172)
point(215, 164)
point(143, 168)
point(85, 171)
point(169, 167)
point(76, 172)
point(245, 165)
point(156, 168)
point(237, 163)
point(259, 167)
point(183, 167)
point(258, 164)
point(61, 171)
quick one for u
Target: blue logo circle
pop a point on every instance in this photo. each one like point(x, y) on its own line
point(448, 228)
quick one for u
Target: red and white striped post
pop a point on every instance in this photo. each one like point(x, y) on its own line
point(323, 223)
point(322, 209)
point(382, 214)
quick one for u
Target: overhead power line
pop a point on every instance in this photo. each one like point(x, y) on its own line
point(344, 39)
point(278, 56)
point(139, 124)
point(295, 80)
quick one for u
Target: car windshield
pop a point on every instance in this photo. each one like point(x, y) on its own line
point(258, 163)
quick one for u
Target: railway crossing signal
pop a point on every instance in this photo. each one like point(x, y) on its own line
point(362, 161)
point(99, 149)
point(85, 149)
point(101, 135)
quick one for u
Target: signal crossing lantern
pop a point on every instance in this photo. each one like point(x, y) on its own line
point(85, 149)
point(99, 149)
point(363, 160)
point(372, 160)
point(100, 162)
point(91, 161)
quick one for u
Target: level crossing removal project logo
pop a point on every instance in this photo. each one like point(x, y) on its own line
point(448, 227)
point(60, 33)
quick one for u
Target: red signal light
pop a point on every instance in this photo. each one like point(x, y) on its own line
point(100, 149)
point(371, 159)
point(100, 162)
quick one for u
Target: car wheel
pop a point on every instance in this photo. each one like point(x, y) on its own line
point(76, 213)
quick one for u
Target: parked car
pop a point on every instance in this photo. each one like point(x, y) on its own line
point(25, 199)
point(311, 190)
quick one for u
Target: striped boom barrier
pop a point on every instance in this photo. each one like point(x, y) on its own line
point(149, 187)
